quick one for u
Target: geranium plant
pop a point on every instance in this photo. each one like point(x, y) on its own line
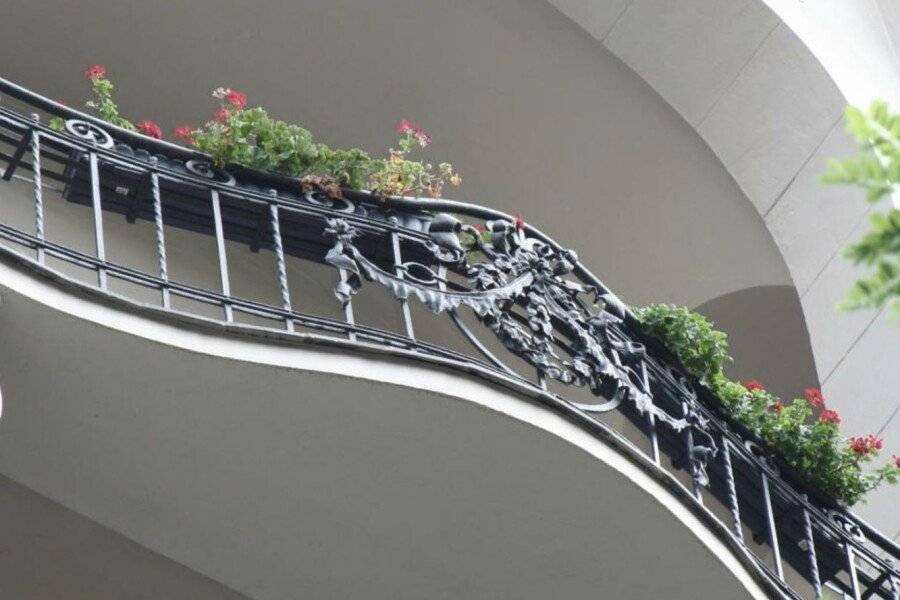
point(238, 134)
point(400, 176)
point(803, 432)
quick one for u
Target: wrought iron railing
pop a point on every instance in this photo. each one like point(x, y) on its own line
point(531, 316)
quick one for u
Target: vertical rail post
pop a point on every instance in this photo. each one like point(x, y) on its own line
point(811, 552)
point(851, 569)
point(220, 247)
point(732, 490)
point(398, 270)
point(38, 188)
point(651, 418)
point(280, 264)
point(98, 218)
point(770, 522)
point(160, 234)
point(895, 587)
point(693, 469)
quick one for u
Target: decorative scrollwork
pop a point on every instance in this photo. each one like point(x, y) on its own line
point(337, 204)
point(847, 525)
point(90, 132)
point(521, 293)
point(205, 169)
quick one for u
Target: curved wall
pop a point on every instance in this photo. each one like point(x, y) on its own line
point(764, 83)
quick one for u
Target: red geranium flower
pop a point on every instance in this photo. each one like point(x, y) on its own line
point(814, 396)
point(520, 222)
point(752, 385)
point(185, 133)
point(149, 128)
point(95, 72)
point(405, 125)
point(221, 114)
point(236, 99)
point(830, 416)
point(863, 446)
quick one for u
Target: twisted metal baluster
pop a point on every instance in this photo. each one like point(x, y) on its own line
point(811, 552)
point(160, 234)
point(38, 191)
point(732, 490)
point(280, 264)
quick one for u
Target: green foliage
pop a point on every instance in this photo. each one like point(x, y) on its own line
point(701, 349)
point(399, 176)
point(812, 446)
point(252, 138)
point(104, 105)
point(877, 171)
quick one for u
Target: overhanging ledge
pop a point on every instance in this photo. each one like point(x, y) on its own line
point(165, 334)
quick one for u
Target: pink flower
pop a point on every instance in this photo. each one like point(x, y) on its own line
point(421, 136)
point(236, 99)
point(149, 128)
point(221, 115)
point(478, 227)
point(896, 461)
point(830, 416)
point(95, 72)
point(405, 125)
point(520, 222)
point(752, 385)
point(814, 397)
point(185, 133)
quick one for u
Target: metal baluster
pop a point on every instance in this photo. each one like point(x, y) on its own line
point(38, 191)
point(398, 269)
point(280, 264)
point(895, 586)
point(651, 418)
point(98, 218)
point(770, 522)
point(851, 569)
point(732, 490)
point(811, 552)
point(348, 308)
point(220, 246)
point(160, 234)
point(693, 469)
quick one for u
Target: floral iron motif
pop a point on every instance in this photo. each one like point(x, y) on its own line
point(521, 294)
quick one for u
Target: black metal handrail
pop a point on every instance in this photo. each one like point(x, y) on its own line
point(525, 291)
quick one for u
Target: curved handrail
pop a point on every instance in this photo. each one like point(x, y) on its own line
point(607, 351)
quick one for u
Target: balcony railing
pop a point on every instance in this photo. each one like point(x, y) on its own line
point(527, 315)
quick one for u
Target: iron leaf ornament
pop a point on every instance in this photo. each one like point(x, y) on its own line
point(520, 293)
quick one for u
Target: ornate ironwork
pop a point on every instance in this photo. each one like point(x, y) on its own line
point(90, 132)
point(529, 275)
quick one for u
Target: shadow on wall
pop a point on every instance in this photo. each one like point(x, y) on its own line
point(767, 337)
